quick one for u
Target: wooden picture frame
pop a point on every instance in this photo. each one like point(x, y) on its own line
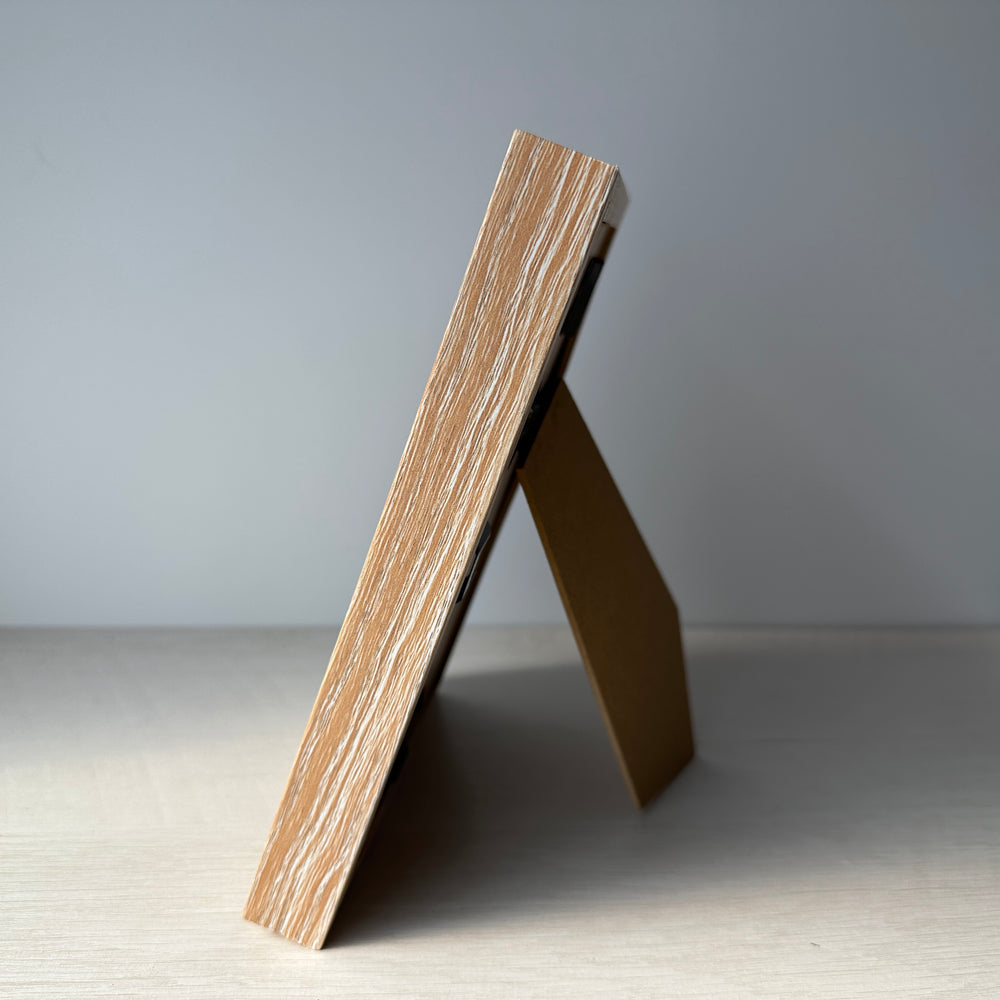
point(495, 412)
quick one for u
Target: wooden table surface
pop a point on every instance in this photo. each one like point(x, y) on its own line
point(838, 834)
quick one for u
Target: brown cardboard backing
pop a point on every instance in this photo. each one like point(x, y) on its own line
point(624, 619)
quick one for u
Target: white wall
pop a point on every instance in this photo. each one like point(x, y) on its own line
point(231, 235)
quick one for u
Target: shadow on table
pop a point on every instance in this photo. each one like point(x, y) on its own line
point(809, 763)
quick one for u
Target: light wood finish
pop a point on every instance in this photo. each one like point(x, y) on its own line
point(543, 223)
point(621, 612)
point(837, 836)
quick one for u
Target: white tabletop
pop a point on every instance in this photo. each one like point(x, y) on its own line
point(838, 834)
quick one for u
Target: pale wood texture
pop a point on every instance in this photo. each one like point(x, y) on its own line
point(541, 225)
point(621, 612)
point(837, 836)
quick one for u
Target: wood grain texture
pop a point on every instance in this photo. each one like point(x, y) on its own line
point(541, 225)
point(621, 612)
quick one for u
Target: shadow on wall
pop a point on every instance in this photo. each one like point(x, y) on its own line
point(808, 765)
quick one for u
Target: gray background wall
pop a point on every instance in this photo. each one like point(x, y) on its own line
point(231, 235)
